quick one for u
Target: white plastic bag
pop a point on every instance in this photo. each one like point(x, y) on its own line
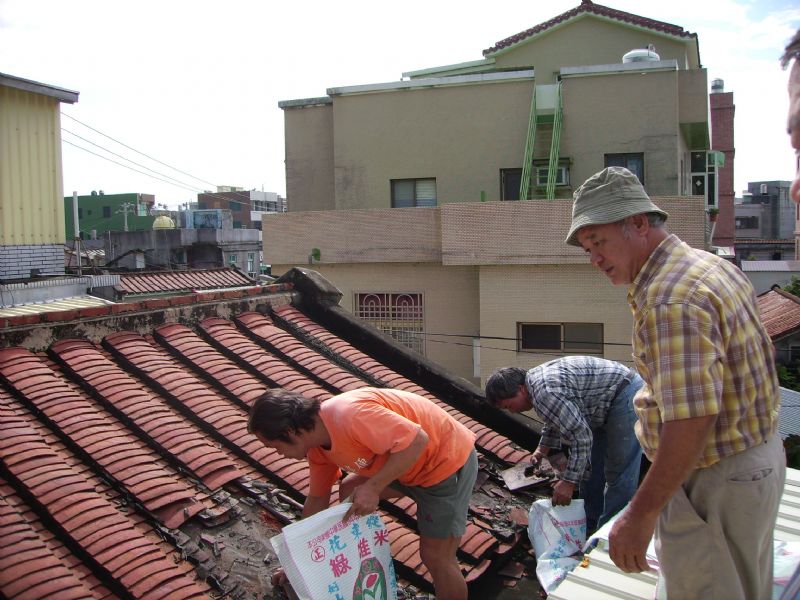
point(327, 559)
point(557, 534)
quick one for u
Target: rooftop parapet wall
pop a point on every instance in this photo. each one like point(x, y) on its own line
point(486, 233)
point(533, 233)
point(354, 236)
point(37, 332)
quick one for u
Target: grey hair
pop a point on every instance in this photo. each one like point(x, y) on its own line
point(656, 221)
point(792, 51)
point(503, 384)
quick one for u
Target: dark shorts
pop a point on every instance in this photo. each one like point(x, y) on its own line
point(442, 508)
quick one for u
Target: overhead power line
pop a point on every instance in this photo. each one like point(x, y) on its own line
point(182, 183)
point(188, 186)
point(122, 165)
point(137, 151)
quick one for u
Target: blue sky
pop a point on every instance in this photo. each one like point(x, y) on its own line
point(195, 83)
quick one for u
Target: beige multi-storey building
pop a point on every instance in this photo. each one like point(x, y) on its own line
point(396, 190)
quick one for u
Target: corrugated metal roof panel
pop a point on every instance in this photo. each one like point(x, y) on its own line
point(771, 266)
point(72, 303)
point(601, 579)
point(30, 143)
point(789, 416)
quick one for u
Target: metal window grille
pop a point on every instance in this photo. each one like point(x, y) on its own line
point(399, 315)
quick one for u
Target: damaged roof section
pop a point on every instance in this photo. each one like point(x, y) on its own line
point(126, 467)
point(174, 282)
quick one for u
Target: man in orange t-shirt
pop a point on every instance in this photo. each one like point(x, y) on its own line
point(392, 443)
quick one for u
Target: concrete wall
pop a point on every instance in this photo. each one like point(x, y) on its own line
point(464, 135)
point(450, 302)
point(764, 280)
point(309, 157)
point(591, 40)
point(460, 135)
point(626, 112)
point(548, 294)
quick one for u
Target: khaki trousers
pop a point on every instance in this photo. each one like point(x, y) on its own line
point(714, 538)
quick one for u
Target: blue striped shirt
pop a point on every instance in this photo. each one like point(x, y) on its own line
point(572, 395)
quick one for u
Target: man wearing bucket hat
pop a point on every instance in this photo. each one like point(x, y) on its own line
point(708, 409)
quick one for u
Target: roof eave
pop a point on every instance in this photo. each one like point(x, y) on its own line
point(35, 87)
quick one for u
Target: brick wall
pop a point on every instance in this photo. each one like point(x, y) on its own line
point(16, 262)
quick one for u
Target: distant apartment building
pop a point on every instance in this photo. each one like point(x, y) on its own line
point(99, 213)
point(246, 206)
point(438, 204)
point(765, 222)
point(32, 231)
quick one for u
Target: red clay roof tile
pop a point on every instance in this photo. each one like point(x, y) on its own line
point(588, 7)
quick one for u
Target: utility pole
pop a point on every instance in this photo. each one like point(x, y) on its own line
point(77, 232)
point(124, 208)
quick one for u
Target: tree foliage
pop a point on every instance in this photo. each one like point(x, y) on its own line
point(793, 287)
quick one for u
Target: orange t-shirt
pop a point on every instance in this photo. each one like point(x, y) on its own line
point(368, 424)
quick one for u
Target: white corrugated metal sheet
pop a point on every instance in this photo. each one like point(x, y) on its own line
point(53, 306)
point(771, 266)
point(602, 580)
point(789, 416)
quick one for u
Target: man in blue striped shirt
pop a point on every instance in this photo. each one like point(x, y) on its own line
point(588, 403)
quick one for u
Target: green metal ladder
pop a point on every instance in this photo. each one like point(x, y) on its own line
point(555, 143)
point(527, 163)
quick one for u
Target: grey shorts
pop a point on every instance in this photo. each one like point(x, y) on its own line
point(442, 508)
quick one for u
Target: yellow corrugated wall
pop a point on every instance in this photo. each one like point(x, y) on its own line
point(31, 186)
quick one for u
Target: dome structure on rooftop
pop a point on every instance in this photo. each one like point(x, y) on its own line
point(163, 222)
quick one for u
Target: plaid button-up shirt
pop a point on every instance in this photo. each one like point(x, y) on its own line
point(573, 395)
point(701, 348)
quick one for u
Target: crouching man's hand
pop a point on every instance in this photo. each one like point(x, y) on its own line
point(562, 492)
point(279, 578)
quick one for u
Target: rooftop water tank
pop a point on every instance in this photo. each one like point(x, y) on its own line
point(641, 55)
point(717, 86)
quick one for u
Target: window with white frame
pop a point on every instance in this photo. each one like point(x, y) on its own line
point(251, 264)
point(232, 258)
point(581, 338)
point(413, 192)
point(398, 314)
point(562, 175)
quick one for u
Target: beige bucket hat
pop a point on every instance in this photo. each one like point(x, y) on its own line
point(607, 197)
